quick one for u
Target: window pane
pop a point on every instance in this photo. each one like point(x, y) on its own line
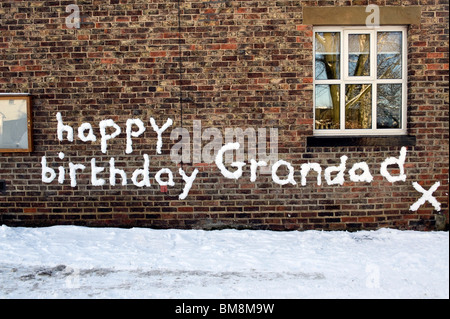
point(389, 106)
point(359, 54)
point(358, 106)
point(327, 107)
point(327, 55)
point(13, 123)
point(389, 55)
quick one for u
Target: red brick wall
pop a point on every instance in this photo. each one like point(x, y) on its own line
point(244, 64)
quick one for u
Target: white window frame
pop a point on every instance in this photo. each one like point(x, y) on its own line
point(344, 79)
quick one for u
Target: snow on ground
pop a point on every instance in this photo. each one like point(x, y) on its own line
point(81, 262)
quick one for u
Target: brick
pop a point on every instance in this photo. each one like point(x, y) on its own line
point(228, 46)
point(108, 61)
point(158, 54)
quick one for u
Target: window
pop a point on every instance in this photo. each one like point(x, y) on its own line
point(15, 123)
point(359, 81)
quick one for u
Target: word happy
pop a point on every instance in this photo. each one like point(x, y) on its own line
point(333, 175)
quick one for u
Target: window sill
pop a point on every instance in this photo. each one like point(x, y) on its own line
point(337, 141)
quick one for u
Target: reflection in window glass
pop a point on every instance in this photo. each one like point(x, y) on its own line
point(359, 80)
point(359, 55)
point(327, 55)
point(13, 124)
point(389, 55)
point(358, 106)
point(327, 107)
point(389, 106)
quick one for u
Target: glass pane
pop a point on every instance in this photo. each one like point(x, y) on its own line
point(327, 107)
point(359, 55)
point(327, 55)
point(389, 55)
point(389, 106)
point(358, 106)
point(13, 123)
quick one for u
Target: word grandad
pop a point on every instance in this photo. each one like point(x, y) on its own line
point(100, 174)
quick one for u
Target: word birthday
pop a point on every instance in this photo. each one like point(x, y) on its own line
point(334, 175)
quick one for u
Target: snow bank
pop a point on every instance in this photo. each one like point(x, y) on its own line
point(80, 262)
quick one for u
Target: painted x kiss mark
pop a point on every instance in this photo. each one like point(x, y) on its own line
point(427, 196)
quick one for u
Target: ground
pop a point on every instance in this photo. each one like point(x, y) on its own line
point(80, 262)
